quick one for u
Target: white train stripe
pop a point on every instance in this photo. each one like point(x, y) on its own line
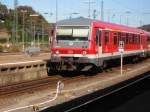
point(104, 55)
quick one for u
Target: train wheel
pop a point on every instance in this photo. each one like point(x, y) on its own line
point(54, 68)
point(104, 66)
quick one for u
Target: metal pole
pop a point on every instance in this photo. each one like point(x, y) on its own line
point(23, 32)
point(33, 15)
point(34, 35)
point(128, 12)
point(42, 32)
point(89, 9)
point(120, 18)
point(15, 28)
point(121, 63)
point(56, 11)
point(102, 10)
point(23, 38)
point(38, 41)
point(127, 21)
point(16, 21)
point(31, 32)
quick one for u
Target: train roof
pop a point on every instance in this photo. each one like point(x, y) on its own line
point(75, 21)
point(88, 22)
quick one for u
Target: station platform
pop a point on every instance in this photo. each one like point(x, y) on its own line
point(22, 57)
point(20, 67)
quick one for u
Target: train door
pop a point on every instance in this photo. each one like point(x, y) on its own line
point(98, 43)
point(143, 42)
point(139, 41)
point(106, 42)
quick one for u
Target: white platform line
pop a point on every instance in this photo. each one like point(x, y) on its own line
point(17, 63)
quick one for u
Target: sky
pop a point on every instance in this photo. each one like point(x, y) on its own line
point(126, 12)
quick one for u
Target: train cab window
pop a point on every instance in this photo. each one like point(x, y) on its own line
point(106, 38)
point(115, 38)
point(98, 37)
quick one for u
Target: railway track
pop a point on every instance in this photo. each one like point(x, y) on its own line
point(51, 81)
point(36, 84)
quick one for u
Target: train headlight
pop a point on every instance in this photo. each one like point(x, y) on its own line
point(57, 52)
point(84, 53)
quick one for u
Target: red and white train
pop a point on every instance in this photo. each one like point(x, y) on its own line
point(82, 42)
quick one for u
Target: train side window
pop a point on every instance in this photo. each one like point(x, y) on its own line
point(139, 39)
point(148, 40)
point(98, 37)
point(127, 38)
point(119, 37)
point(136, 39)
point(115, 38)
point(106, 38)
point(132, 38)
point(123, 37)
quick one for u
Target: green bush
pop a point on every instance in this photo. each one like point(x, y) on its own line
point(1, 48)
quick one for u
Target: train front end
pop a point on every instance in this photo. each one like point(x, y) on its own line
point(71, 45)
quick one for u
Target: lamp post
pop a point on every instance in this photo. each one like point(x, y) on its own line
point(113, 16)
point(23, 21)
point(127, 12)
point(143, 15)
point(102, 10)
point(34, 28)
point(15, 25)
point(50, 14)
point(89, 9)
point(56, 11)
point(120, 19)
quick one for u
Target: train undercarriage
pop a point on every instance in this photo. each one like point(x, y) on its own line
point(92, 65)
